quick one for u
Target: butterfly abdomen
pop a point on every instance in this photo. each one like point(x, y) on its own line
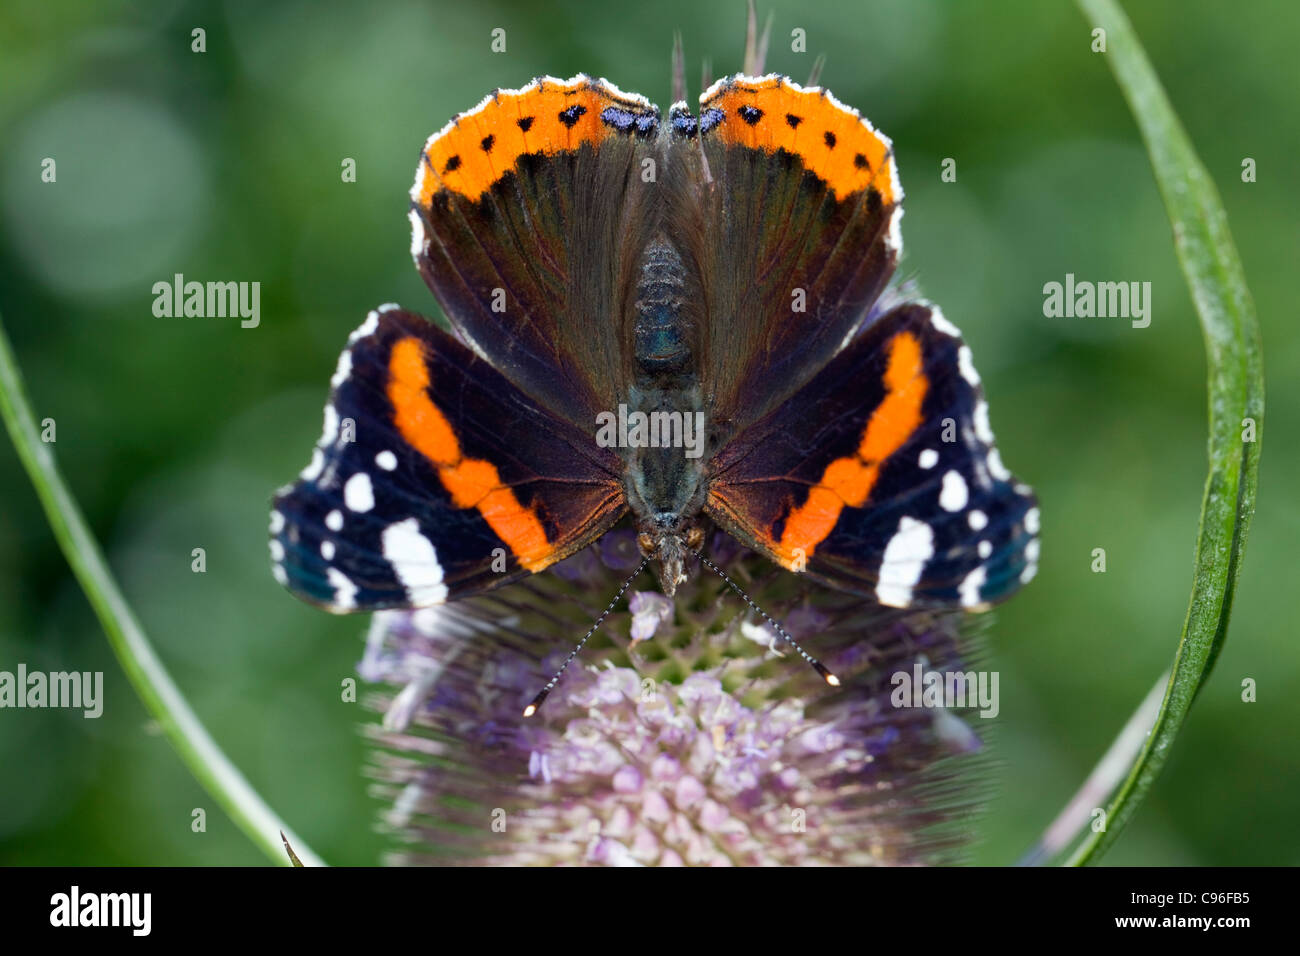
point(662, 343)
point(668, 436)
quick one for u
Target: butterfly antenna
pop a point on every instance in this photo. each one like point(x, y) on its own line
point(816, 73)
point(679, 69)
point(760, 58)
point(751, 41)
point(706, 80)
point(817, 665)
point(537, 701)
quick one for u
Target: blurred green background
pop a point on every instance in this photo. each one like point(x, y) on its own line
point(225, 165)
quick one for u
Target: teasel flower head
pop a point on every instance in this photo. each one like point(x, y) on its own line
point(687, 733)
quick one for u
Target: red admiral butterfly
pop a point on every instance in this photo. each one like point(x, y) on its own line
point(593, 259)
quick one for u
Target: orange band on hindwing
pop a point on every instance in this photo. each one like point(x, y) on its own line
point(471, 482)
point(832, 140)
point(847, 482)
point(479, 147)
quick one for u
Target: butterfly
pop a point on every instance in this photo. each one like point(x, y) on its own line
point(684, 320)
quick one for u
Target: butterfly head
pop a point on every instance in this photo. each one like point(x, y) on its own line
point(667, 539)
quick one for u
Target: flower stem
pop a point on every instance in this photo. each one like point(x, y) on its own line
point(159, 694)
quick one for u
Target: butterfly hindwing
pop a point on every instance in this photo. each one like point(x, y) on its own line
point(881, 475)
point(435, 478)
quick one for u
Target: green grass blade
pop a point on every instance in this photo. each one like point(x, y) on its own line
point(1236, 392)
point(161, 697)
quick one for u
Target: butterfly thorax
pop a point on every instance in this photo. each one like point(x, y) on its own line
point(668, 431)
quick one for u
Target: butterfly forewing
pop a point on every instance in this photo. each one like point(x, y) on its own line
point(435, 478)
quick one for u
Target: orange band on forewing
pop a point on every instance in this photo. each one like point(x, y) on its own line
point(547, 116)
point(832, 140)
point(471, 482)
point(847, 482)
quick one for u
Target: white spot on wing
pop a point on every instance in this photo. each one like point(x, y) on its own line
point(330, 431)
point(334, 520)
point(314, 467)
point(966, 364)
point(343, 370)
point(998, 470)
point(982, 427)
point(929, 458)
point(978, 520)
point(969, 589)
point(415, 562)
point(904, 559)
point(985, 548)
point(1031, 562)
point(345, 592)
point(1032, 521)
point(954, 494)
point(938, 320)
point(419, 241)
point(386, 460)
point(895, 237)
point(365, 328)
point(359, 493)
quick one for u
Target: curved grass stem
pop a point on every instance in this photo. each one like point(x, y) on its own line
point(160, 695)
point(1214, 275)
